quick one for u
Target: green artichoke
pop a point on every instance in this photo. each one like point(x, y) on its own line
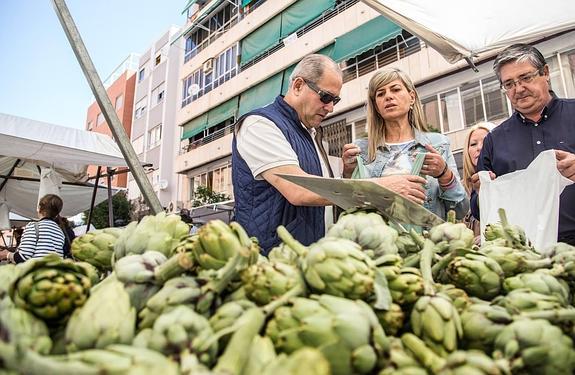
point(369, 230)
point(535, 347)
point(471, 362)
point(481, 324)
point(512, 235)
point(514, 261)
point(139, 268)
point(563, 258)
point(178, 331)
point(400, 361)
point(477, 274)
point(106, 318)
point(346, 332)
point(284, 254)
point(406, 245)
point(261, 354)
point(308, 361)
point(227, 315)
point(525, 300)
point(96, 247)
point(405, 286)
point(264, 282)
point(391, 320)
point(458, 296)
point(338, 267)
point(160, 232)
point(51, 288)
point(8, 274)
point(539, 281)
point(451, 236)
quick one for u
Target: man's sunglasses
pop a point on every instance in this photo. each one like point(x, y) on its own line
point(324, 96)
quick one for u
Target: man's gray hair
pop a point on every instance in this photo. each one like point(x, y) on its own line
point(519, 53)
point(312, 67)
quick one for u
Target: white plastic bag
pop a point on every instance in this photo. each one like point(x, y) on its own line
point(530, 198)
point(50, 182)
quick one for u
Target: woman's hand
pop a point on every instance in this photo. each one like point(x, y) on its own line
point(349, 158)
point(4, 255)
point(434, 164)
point(407, 185)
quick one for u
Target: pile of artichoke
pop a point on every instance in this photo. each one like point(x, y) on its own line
point(368, 298)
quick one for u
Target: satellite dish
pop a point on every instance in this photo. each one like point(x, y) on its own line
point(162, 184)
point(194, 89)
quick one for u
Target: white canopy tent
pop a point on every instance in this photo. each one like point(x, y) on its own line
point(27, 145)
point(463, 29)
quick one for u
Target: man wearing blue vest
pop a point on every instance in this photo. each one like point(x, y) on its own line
point(285, 138)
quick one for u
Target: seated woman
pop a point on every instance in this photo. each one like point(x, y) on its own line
point(42, 237)
point(396, 134)
point(471, 151)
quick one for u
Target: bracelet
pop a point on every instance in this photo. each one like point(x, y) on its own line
point(442, 172)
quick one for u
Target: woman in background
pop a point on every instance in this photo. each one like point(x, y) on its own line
point(473, 146)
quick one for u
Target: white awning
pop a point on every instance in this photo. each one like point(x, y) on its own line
point(462, 29)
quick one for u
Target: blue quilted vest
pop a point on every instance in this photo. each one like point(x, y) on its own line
point(259, 207)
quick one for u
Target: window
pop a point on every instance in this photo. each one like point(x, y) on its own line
point(431, 112)
point(158, 94)
point(158, 59)
point(119, 101)
point(226, 65)
point(154, 136)
point(141, 74)
point(360, 129)
point(140, 107)
point(219, 180)
point(568, 63)
point(472, 103)
point(450, 111)
point(494, 99)
point(337, 135)
point(138, 144)
point(100, 119)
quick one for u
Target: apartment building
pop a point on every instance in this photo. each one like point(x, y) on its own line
point(120, 88)
point(238, 55)
point(154, 135)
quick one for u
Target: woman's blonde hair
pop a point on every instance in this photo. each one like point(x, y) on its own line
point(468, 168)
point(376, 123)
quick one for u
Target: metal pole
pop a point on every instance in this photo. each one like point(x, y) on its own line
point(110, 205)
point(93, 199)
point(106, 105)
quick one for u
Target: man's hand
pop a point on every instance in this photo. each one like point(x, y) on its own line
point(409, 186)
point(349, 158)
point(566, 164)
point(475, 180)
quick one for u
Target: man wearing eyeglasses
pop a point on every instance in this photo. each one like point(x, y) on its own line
point(284, 137)
point(541, 121)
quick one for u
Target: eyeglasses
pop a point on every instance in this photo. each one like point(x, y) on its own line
point(324, 96)
point(525, 78)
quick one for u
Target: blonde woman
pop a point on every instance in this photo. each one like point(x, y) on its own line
point(471, 151)
point(396, 134)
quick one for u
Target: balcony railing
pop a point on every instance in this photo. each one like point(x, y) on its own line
point(207, 139)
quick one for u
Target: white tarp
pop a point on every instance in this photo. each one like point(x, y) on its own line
point(69, 151)
point(462, 29)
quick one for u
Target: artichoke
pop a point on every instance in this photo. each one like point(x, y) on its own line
point(481, 324)
point(400, 361)
point(227, 315)
point(512, 235)
point(284, 254)
point(8, 274)
point(535, 347)
point(392, 319)
point(451, 236)
point(159, 232)
point(514, 261)
point(346, 332)
point(406, 245)
point(178, 331)
point(338, 267)
point(261, 354)
point(96, 247)
point(303, 361)
point(51, 288)
point(525, 300)
point(471, 362)
point(405, 286)
point(477, 274)
point(539, 281)
point(459, 297)
point(563, 258)
point(369, 230)
point(106, 318)
point(264, 282)
point(139, 268)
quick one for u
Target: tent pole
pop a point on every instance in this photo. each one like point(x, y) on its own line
point(105, 104)
point(93, 199)
point(110, 205)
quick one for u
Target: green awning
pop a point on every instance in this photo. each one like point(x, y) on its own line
point(327, 51)
point(263, 38)
point(245, 3)
point(301, 12)
point(223, 112)
point(202, 14)
point(364, 37)
point(195, 126)
point(188, 5)
point(261, 94)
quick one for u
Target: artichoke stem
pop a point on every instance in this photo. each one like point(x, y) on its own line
point(451, 217)
point(503, 217)
point(236, 355)
point(423, 353)
point(554, 316)
point(291, 242)
point(425, 266)
point(225, 274)
point(272, 306)
point(418, 238)
point(175, 266)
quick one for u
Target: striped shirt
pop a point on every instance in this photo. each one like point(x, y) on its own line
point(50, 240)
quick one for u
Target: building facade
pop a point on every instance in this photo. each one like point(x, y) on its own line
point(120, 88)
point(238, 55)
point(154, 135)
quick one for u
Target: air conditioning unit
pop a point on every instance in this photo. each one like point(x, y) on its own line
point(208, 65)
